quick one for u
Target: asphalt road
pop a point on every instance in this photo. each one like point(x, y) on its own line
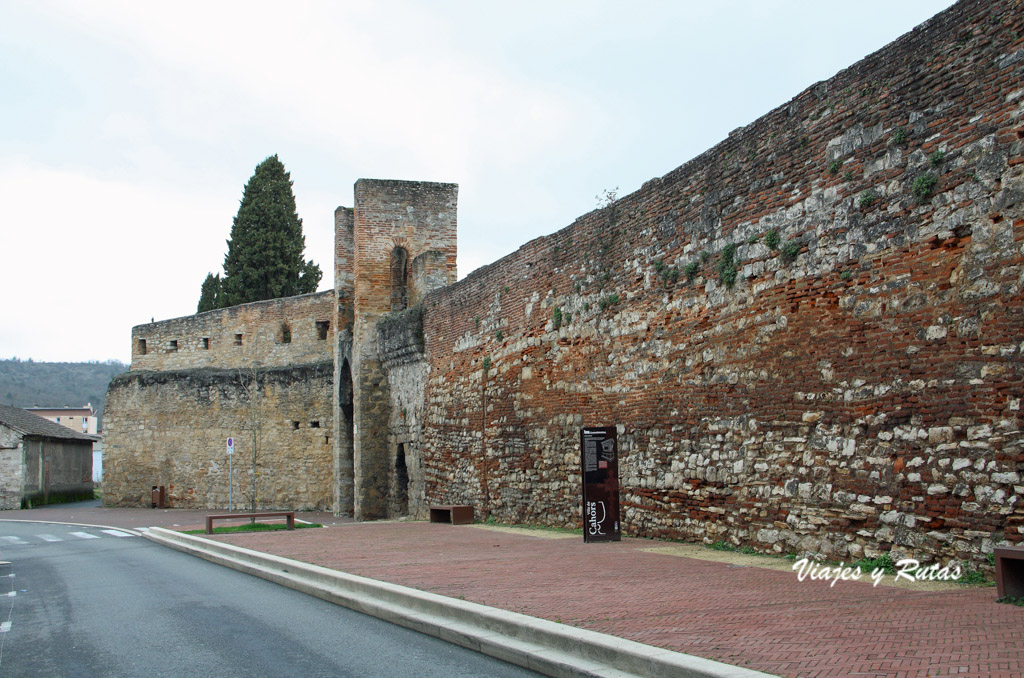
point(84, 601)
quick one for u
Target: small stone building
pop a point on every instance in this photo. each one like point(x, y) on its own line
point(40, 459)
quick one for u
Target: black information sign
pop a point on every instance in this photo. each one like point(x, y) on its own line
point(600, 466)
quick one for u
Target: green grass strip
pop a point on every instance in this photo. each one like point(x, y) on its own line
point(254, 527)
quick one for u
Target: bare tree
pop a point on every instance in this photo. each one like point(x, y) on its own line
point(250, 381)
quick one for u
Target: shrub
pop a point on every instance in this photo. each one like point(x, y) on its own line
point(727, 266)
point(923, 186)
point(790, 251)
point(867, 198)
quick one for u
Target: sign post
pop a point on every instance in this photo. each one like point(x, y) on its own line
point(599, 464)
point(231, 471)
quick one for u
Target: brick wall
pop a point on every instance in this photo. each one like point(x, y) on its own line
point(419, 217)
point(344, 424)
point(294, 330)
point(854, 390)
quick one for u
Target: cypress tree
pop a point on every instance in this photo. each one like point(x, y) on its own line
point(209, 296)
point(264, 259)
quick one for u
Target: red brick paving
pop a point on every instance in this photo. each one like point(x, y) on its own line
point(751, 617)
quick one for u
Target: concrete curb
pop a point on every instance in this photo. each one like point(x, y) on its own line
point(537, 644)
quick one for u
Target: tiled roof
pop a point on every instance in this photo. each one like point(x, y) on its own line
point(32, 424)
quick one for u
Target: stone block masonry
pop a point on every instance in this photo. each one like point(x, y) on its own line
point(170, 428)
point(810, 336)
point(277, 332)
point(404, 237)
point(190, 387)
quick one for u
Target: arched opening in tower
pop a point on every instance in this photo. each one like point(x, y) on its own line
point(399, 279)
point(345, 450)
point(401, 482)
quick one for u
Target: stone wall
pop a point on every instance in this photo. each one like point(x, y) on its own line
point(344, 420)
point(12, 476)
point(170, 428)
point(810, 336)
point(291, 331)
point(400, 342)
point(404, 237)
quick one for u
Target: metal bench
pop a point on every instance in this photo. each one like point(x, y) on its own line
point(456, 514)
point(289, 515)
point(1009, 572)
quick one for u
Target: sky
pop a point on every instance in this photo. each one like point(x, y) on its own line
point(128, 129)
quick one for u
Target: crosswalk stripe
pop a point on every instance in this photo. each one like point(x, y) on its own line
point(14, 540)
point(84, 535)
point(118, 533)
point(49, 537)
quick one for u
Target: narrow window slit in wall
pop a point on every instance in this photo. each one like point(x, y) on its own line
point(322, 326)
point(315, 423)
point(142, 347)
point(206, 343)
point(285, 334)
point(238, 340)
point(295, 425)
point(399, 279)
point(172, 346)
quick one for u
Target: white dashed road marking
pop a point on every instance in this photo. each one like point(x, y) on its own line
point(118, 533)
point(5, 627)
point(80, 535)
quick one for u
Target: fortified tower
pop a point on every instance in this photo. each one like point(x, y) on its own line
point(397, 244)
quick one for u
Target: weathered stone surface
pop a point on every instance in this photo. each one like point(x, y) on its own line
point(170, 428)
point(809, 337)
point(292, 331)
point(12, 479)
point(879, 355)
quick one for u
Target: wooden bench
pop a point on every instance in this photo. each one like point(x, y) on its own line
point(290, 515)
point(1009, 572)
point(456, 514)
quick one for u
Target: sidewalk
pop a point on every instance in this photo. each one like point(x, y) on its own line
point(732, 611)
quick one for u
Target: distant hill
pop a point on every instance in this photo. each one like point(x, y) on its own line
point(25, 383)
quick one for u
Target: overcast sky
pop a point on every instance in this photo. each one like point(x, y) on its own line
point(128, 129)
